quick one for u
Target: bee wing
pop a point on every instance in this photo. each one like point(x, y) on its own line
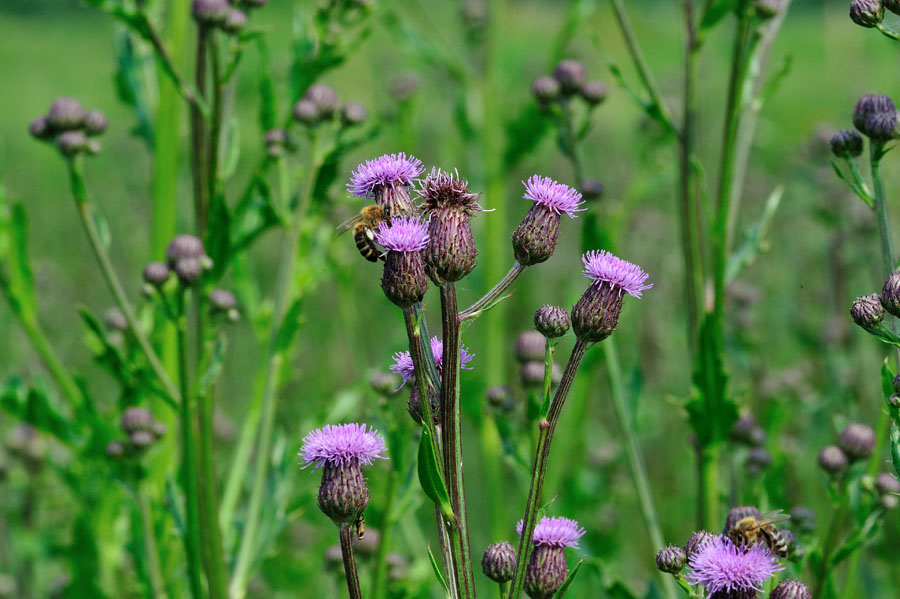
point(349, 224)
point(773, 517)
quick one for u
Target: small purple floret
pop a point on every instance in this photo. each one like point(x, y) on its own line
point(559, 198)
point(601, 266)
point(387, 170)
point(403, 364)
point(720, 566)
point(403, 234)
point(555, 532)
point(341, 445)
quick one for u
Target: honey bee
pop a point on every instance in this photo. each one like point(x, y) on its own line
point(756, 530)
point(363, 226)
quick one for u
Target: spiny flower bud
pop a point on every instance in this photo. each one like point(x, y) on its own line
point(184, 247)
point(116, 450)
point(324, 97)
point(188, 270)
point(832, 460)
point(736, 514)
point(896, 384)
point(451, 251)
point(341, 451)
point(746, 432)
point(536, 236)
point(531, 347)
point(71, 143)
point(115, 320)
point(40, 129)
point(790, 589)
point(142, 439)
point(866, 13)
point(414, 405)
point(591, 189)
point(552, 321)
point(274, 137)
point(65, 114)
point(890, 294)
point(596, 315)
point(875, 116)
point(594, 92)
point(136, 419)
point(570, 75)
point(857, 440)
point(306, 112)
point(222, 300)
point(387, 179)
point(698, 541)
point(95, 122)
point(499, 562)
point(671, 559)
point(156, 273)
point(803, 518)
point(547, 568)
point(846, 143)
point(353, 113)
point(887, 483)
point(403, 280)
point(867, 311)
point(545, 89)
point(235, 21)
point(893, 401)
point(758, 459)
point(210, 12)
point(533, 375)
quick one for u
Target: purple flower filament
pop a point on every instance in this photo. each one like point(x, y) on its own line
point(385, 171)
point(720, 566)
point(602, 267)
point(558, 198)
point(341, 445)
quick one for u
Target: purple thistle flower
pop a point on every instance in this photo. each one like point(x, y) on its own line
point(404, 234)
point(385, 171)
point(601, 266)
point(555, 532)
point(342, 445)
point(720, 566)
point(558, 198)
point(403, 364)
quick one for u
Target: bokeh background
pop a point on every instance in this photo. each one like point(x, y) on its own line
point(795, 359)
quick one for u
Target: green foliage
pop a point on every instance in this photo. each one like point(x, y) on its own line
point(711, 411)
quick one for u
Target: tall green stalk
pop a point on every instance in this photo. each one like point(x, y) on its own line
point(151, 553)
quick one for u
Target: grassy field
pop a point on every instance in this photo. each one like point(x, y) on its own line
point(794, 357)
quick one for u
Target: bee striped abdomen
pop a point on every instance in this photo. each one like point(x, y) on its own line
point(365, 243)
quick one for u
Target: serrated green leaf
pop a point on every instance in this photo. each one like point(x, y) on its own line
point(33, 405)
point(711, 412)
point(19, 284)
point(754, 238)
point(524, 133)
point(431, 478)
point(568, 581)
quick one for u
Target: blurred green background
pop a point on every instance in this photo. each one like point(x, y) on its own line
point(794, 357)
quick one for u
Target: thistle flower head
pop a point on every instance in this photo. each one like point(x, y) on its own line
point(386, 171)
point(720, 566)
point(499, 562)
point(447, 190)
point(403, 234)
point(403, 364)
point(670, 559)
point(832, 459)
point(857, 440)
point(790, 589)
point(342, 445)
point(602, 267)
point(866, 13)
point(554, 532)
point(558, 198)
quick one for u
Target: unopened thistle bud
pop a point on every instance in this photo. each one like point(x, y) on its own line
point(341, 451)
point(846, 143)
point(890, 294)
point(790, 589)
point(414, 405)
point(857, 440)
point(306, 112)
point(500, 397)
point(451, 251)
point(746, 432)
point(671, 559)
point(324, 97)
point(736, 514)
point(532, 374)
point(591, 189)
point(222, 301)
point(545, 89)
point(758, 459)
point(887, 483)
point(596, 315)
point(116, 450)
point(832, 459)
point(803, 518)
point(385, 383)
point(403, 281)
point(875, 116)
point(547, 568)
point(552, 321)
point(531, 347)
point(188, 271)
point(65, 114)
point(594, 92)
point(71, 143)
point(136, 419)
point(210, 12)
point(40, 129)
point(867, 311)
point(141, 440)
point(95, 122)
point(387, 180)
point(184, 247)
point(499, 562)
point(866, 13)
point(353, 113)
point(698, 541)
point(570, 75)
point(235, 21)
point(156, 273)
point(535, 239)
point(115, 320)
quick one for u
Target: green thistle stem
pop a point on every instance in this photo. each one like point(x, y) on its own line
point(151, 554)
point(346, 534)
